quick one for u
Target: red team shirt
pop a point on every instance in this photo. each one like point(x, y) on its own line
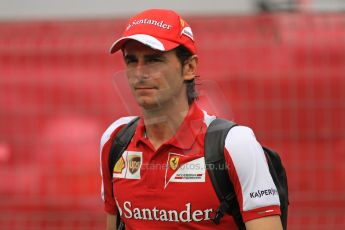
point(170, 188)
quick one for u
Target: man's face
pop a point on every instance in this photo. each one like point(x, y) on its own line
point(155, 77)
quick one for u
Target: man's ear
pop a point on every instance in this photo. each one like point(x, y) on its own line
point(190, 67)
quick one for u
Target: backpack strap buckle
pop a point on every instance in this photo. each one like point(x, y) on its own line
point(223, 208)
point(121, 225)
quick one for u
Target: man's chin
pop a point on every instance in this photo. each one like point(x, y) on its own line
point(145, 105)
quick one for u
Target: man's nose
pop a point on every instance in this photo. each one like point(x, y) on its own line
point(141, 70)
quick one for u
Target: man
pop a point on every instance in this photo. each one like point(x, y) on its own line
point(161, 181)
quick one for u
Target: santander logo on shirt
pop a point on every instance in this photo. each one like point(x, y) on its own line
point(129, 211)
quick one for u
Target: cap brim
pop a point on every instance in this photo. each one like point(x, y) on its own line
point(152, 42)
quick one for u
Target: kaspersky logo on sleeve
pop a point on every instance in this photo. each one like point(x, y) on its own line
point(265, 192)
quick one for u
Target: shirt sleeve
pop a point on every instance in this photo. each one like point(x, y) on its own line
point(106, 141)
point(248, 169)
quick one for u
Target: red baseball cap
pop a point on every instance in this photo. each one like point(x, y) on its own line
point(159, 29)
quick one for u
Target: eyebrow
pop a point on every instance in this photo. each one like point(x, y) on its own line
point(158, 55)
point(146, 57)
point(128, 57)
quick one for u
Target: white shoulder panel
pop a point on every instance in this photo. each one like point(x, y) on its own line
point(257, 186)
point(106, 135)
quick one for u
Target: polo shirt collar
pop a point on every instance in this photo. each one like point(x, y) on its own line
point(186, 134)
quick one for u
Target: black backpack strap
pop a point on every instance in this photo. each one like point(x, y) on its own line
point(217, 170)
point(279, 177)
point(120, 143)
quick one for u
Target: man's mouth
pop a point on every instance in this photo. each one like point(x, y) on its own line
point(144, 87)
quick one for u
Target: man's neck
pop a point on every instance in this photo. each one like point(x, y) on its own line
point(162, 124)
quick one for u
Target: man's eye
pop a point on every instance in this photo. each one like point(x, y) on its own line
point(130, 61)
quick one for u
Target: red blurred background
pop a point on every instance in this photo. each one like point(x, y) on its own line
point(281, 74)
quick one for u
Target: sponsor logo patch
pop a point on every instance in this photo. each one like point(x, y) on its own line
point(266, 192)
point(173, 162)
point(183, 169)
point(129, 165)
point(119, 166)
point(186, 214)
point(134, 163)
point(188, 176)
point(160, 24)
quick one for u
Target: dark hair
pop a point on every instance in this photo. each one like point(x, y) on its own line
point(183, 54)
